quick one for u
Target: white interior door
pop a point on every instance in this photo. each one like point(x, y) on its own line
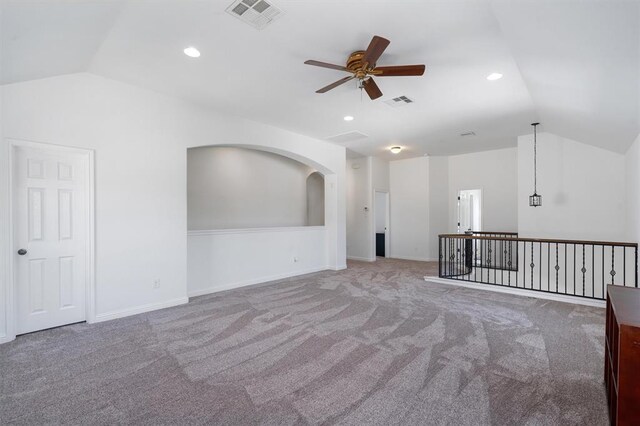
point(50, 217)
point(470, 210)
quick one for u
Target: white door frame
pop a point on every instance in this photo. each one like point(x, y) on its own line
point(90, 282)
point(387, 240)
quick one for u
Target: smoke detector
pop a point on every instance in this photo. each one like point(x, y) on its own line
point(399, 101)
point(257, 13)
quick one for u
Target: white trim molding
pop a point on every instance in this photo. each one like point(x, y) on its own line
point(361, 259)
point(417, 259)
point(204, 232)
point(520, 292)
point(127, 312)
point(261, 280)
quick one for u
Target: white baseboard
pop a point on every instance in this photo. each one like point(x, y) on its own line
point(419, 259)
point(338, 268)
point(238, 284)
point(7, 339)
point(520, 292)
point(361, 259)
point(107, 316)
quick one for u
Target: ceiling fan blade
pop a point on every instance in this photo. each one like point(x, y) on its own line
point(372, 88)
point(336, 84)
point(325, 65)
point(399, 71)
point(375, 50)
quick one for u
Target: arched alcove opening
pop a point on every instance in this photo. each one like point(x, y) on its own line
point(230, 187)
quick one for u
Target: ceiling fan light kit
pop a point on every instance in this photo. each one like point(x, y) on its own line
point(362, 66)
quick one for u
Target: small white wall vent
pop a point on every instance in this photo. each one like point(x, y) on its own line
point(399, 101)
point(347, 137)
point(468, 134)
point(257, 13)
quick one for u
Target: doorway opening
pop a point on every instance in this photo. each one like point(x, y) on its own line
point(469, 210)
point(381, 223)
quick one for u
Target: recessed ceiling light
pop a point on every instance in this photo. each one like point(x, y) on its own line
point(192, 52)
point(348, 118)
point(494, 76)
point(395, 149)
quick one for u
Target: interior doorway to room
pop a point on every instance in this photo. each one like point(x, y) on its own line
point(381, 223)
point(51, 194)
point(469, 210)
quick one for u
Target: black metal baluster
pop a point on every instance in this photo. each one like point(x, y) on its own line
point(516, 270)
point(495, 269)
point(613, 266)
point(532, 265)
point(557, 267)
point(583, 272)
point(574, 269)
point(540, 260)
point(624, 266)
point(509, 264)
point(593, 271)
point(603, 293)
point(524, 265)
point(475, 260)
point(549, 267)
point(636, 279)
point(565, 268)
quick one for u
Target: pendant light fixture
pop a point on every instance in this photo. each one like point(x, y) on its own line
point(535, 200)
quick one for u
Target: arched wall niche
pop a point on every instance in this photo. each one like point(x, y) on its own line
point(315, 199)
point(241, 187)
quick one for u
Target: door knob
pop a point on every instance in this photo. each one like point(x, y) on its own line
point(22, 252)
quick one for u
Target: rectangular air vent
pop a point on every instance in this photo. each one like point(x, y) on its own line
point(468, 134)
point(399, 101)
point(347, 137)
point(257, 13)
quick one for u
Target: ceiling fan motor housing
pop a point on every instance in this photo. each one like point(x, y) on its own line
point(354, 64)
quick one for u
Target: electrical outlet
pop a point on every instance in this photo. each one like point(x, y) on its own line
point(156, 283)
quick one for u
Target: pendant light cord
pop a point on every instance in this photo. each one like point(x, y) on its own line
point(535, 161)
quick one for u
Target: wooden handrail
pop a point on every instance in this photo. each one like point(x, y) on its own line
point(492, 232)
point(540, 240)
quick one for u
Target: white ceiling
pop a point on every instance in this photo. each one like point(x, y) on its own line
point(574, 66)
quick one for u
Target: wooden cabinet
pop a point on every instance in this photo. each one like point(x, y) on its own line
point(622, 355)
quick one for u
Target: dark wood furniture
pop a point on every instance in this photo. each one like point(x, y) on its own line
point(622, 355)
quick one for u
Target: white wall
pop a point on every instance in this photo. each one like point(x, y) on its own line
point(231, 188)
point(632, 180)
point(583, 190)
point(274, 253)
point(438, 202)
point(496, 174)
point(359, 209)
point(140, 140)
point(409, 193)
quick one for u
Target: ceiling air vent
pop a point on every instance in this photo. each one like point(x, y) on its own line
point(399, 101)
point(468, 134)
point(347, 137)
point(257, 13)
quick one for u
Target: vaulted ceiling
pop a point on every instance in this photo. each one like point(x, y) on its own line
point(573, 65)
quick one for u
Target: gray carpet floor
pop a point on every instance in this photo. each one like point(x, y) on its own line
point(374, 344)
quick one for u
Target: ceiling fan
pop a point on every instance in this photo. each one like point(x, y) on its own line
point(362, 65)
